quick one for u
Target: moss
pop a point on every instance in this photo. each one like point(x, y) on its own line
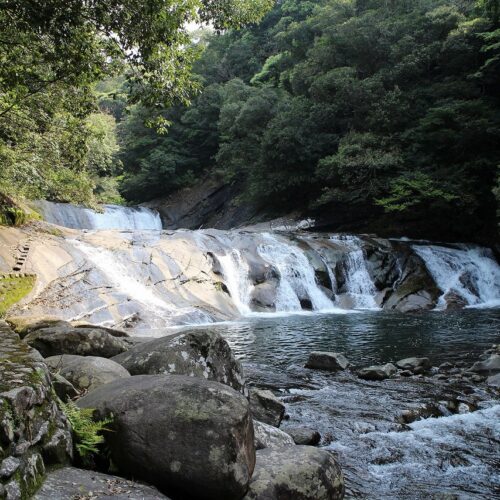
point(12, 289)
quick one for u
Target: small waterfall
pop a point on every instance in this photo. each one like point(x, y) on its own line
point(235, 271)
point(358, 283)
point(470, 272)
point(297, 279)
point(113, 217)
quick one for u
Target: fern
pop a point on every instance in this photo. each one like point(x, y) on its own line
point(87, 432)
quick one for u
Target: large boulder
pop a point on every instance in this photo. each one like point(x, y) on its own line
point(490, 365)
point(187, 436)
point(377, 372)
point(296, 472)
point(268, 436)
point(64, 339)
point(86, 372)
point(196, 353)
point(266, 407)
point(72, 483)
point(331, 361)
point(303, 435)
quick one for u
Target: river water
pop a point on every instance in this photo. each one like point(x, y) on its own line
point(456, 456)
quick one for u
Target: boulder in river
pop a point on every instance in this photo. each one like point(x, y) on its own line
point(303, 435)
point(414, 364)
point(378, 372)
point(70, 482)
point(266, 407)
point(83, 341)
point(331, 361)
point(296, 472)
point(197, 353)
point(86, 372)
point(188, 436)
point(268, 436)
point(490, 365)
point(494, 380)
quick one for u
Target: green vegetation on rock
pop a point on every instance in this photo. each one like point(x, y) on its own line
point(13, 288)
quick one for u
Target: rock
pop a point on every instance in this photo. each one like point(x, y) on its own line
point(64, 388)
point(445, 366)
point(454, 301)
point(72, 483)
point(187, 436)
point(303, 435)
point(494, 380)
point(331, 361)
point(266, 407)
point(380, 372)
point(86, 372)
point(268, 436)
point(23, 325)
point(197, 353)
point(296, 473)
point(56, 340)
point(414, 364)
point(263, 296)
point(490, 365)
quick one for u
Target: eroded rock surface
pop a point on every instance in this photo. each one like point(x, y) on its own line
point(33, 431)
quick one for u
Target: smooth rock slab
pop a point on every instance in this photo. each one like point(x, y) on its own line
point(378, 372)
point(266, 407)
point(188, 436)
point(57, 340)
point(268, 436)
point(86, 372)
point(197, 353)
point(296, 473)
point(71, 483)
point(331, 361)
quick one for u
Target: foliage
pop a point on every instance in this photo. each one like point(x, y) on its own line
point(87, 432)
point(378, 107)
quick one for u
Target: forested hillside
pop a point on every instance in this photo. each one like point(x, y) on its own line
point(373, 115)
point(357, 108)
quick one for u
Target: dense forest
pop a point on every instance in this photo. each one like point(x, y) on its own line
point(378, 115)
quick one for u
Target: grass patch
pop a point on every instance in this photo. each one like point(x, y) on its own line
point(12, 289)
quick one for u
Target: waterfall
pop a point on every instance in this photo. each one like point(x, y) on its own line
point(235, 271)
point(297, 278)
point(113, 217)
point(470, 272)
point(358, 283)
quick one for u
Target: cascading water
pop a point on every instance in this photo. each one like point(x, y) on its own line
point(113, 217)
point(358, 284)
point(297, 279)
point(467, 271)
point(235, 271)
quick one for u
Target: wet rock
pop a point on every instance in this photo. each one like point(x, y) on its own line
point(331, 361)
point(268, 436)
point(187, 436)
point(494, 380)
point(197, 353)
point(266, 407)
point(303, 435)
point(73, 483)
point(445, 366)
point(296, 472)
point(454, 301)
point(406, 373)
point(53, 341)
point(413, 364)
point(86, 372)
point(424, 411)
point(263, 296)
point(490, 365)
point(380, 372)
